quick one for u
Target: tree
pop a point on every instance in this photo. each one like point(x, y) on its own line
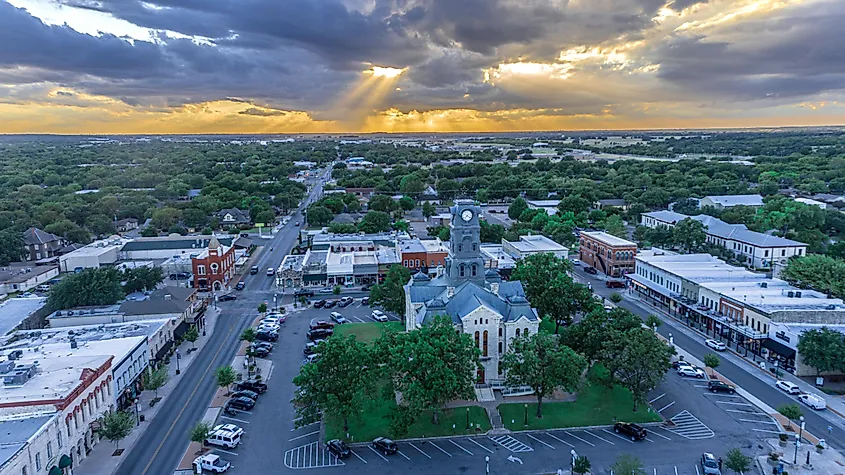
point(433, 365)
point(318, 215)
point(266, 217)
point(88, 288)
point(100, 225)
point(688, 206)
point(582, 465)
point(343, 228)
point(338, 385)
point(712, 361)
point(818, 272)
point(574, 203)
point(615, 226)
point(375, 222)
point(536, 271)
point(381, 203)
point(192, 335)
point(402, 225)
point(155, 379)
point(226, 376)
point(166, 217)
point(407, 203)
point(822, 349)
point(11, 246)
point(336, 290)
point(689, 235)
point(736, 461)
point(540, 362)
point(492, 232)
point(140, 279)
point(149, 231)
point(194, 218)
point(790, 411)
point(626, 464)
point(200, 432)
point(638, 360)
point(653, 321)
point(428, 210)
point(615, 297)
point(248, 335)
point(390, 294)
point(516, 208)
point(116, 425)
point(562, 299)
point(262, 307)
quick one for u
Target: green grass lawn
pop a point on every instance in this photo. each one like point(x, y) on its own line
point(596, 405)
point(366, 332)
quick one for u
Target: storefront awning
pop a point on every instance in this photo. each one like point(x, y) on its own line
point(55, 471)
point(65, 462)
point(779, 348)
point(181, 329)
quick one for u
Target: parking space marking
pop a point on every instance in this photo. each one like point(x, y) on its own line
point(306, 425)
point(376, 452)
point(225, 452)
point(759, 422)
point(234, 419)
point(559, 439)
point(440, 448)
point(767, 431)
point(311, 456)
point(582, 440)
point(688, 426)
point(356, 454)
point(735, 403)
point(597, 437)
point(666, 406)
point(649, 440)
point(476, 443)
point(458, 446)
point(418, 449)
point(617, 435)
point(658, 434)
point(304, 435)
point(406, 457)
point(655, 399)
point(741, 412)
point(696, 470)
point(512, 444)
point(357, 318)
point(540, 441)
point(701, 385)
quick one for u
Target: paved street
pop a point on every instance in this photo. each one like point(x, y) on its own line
point(163, 445)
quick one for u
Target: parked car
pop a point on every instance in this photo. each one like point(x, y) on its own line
point(633, 431)
point(321, 324)
point(273, 319)
point(267, 335)
point(319, 333)
point(338, 318)
point(575, 261)
point(345, 301)
point(677, 364)
point(246, 393)
point(614, 284)
point(227, 297)
point(720, 387)
point(365, 288)
point(303, 293)
point(310, 349)
point(260, 352)
point(297, 224)
point(716, 345)
point(788, 387)
point(709, 465)
point(812, 401)
point(379, 316)
point(253, 270)
point(240, 403)
point(240, 285)
point(43, 288)
point(210, 462)
point(224, 437)
point(338, 448)
point(365, 301)
point(320, 303)
point(180, 276)
point(590, 270)
point(271, 271)
point(330, 304)
point(312, 357)
point(691, 371)
point(385, 445)
point(252, 385)
point(326, 290)
point(272, 327)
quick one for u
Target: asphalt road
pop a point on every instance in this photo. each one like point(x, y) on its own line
point(761, 386)
point(163, 444)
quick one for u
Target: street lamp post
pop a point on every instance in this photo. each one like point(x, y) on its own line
point(467, 418)
point(137, 413)
point(487, 462)
point(526, 414)
point(178, 357)
point(798, 439)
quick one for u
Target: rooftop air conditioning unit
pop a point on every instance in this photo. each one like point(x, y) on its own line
point(790, 294)
point(798, 294)
point(764, 284)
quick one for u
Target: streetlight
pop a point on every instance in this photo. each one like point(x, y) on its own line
point(487, 462)
point(137, 414)
point(178, 357)
point(467, 418)
point(526, 414)
point(798, 439)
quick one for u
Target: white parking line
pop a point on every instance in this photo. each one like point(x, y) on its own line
point(659, 435)
point(458, 446)
point(234, 419)
point(649, 440)
point(741, 412)
point(617, 435)
point(767, 431)
point(655, 399)
point(696, 470)
point(376, 452)
point(440, 448)
point(225, 452)
point(582, 440)
point(597, 437)
point(406, 457)
point(418, 449)
point(734, 403)
point(540, 441)
point(559, 439)
point(666, 406)
point(483, 447)
point(359, 457)
point(356, 318)
point(759, 422)
point(303, 435)
point(306, 425)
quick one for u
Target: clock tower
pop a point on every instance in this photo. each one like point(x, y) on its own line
point(465, 261)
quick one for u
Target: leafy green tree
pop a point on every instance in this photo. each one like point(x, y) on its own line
point(653, 321)
point(688, 206)
point(736, 461)
point(200, 432)
point(165, 218)
point(192, 335)
point(444, 234)
point(540, 362)
point(339, 385)
point(390, 294)
point(628, 464)
point(433, 365)
point(638, 360)
point(517, 207)
point(407, 203)
point(492, 232)
point(262, 307)
point(100, 225)
point(536, 271)
point(822, 349)
point(615, 226)
point(562, 299)
point(790, 411)
point(225, 376)
point(139, 279)
point(428, 210)
point(155, 379)
point(11, 246)
point(88, 288)
point(574, 203)
point(375, 222)
point(343, 228)
point(818, 272)
point(194, 218)
point(402, 225)
point(615, 297)
point(266, 217)
point(381, 203)
point(318, 215)
point(248, 335)
point(149, 231)
point(177, 229)
point(336, 290)
point(116, 426)
point(712, 361)
point(689, 235)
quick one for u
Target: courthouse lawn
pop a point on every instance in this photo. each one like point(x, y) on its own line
point(366, 332)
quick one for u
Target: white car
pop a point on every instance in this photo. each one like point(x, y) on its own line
point(691, 371)
point(813, 401)
point(716, 345)
point(268, 327)
point(272, 321)
point(338, 318)
point(575, 261)
point(787, 387)
point(379, 316)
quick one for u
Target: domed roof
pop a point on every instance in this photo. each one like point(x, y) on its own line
point(517, 299)
point(492, 275)
point(421, 277)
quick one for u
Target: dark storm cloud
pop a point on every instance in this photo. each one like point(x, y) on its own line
point(450, 69)
point(679, 5)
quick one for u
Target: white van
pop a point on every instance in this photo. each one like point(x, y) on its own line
point(813, 401)
point(224, 438)
point(43, 288)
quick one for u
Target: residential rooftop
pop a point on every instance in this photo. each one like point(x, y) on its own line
point(723, 230)
point(174, 241)
point(15, 434)
point(737, 200)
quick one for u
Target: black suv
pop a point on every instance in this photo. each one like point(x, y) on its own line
point(590, 270)
point(720, 387)
point(338, 448)
point(255, 386)
point(330, 303)
point(241, 403)
point(320, 303)
point(385, 445)
point(245, 393)
point(321, 324)
point(319, 333)
point(634, 431)
point(266, 336)
point(303, 293)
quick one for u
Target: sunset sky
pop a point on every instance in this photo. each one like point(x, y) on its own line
point(289, 66)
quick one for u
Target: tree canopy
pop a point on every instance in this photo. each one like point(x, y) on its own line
point(390, 293)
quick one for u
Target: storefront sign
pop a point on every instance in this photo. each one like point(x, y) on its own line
point(782, 336)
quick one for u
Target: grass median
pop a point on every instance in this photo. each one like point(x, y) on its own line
point(366, 332)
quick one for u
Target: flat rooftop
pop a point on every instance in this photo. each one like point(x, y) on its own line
point(434, 245)
point(19, 272)
point(411, 245)
point(543, 203)
point(14, 311)
point(537, 243)
point(14, 434)
point(608, 239)
point(82, 334)
point(57, 375)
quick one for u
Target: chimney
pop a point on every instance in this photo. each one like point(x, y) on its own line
point(450, 292)
point(494, 287)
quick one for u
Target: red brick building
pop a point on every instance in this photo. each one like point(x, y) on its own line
point(609, 254)
point(425, 255)
point(214, 267)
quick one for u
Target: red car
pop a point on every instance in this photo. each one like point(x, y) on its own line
point(614, 284)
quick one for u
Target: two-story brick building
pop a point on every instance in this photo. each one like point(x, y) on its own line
point(609, 254)
point(214, 267)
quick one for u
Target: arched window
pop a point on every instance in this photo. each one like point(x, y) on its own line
point(525, 331)
point(517, 332)
point(474, 270)
point(609, 254)
point(460, 247)
point(476, 339)
point(462, 270)
point(214, 268)
point(474, 247)
point(500, 332)
point(484, 346)
point(500, 350)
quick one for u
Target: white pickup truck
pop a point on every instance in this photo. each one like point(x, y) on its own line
point(212, 463)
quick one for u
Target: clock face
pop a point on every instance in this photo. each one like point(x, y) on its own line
point(466, 215)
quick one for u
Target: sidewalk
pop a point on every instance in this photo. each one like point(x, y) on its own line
point(100, 460)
